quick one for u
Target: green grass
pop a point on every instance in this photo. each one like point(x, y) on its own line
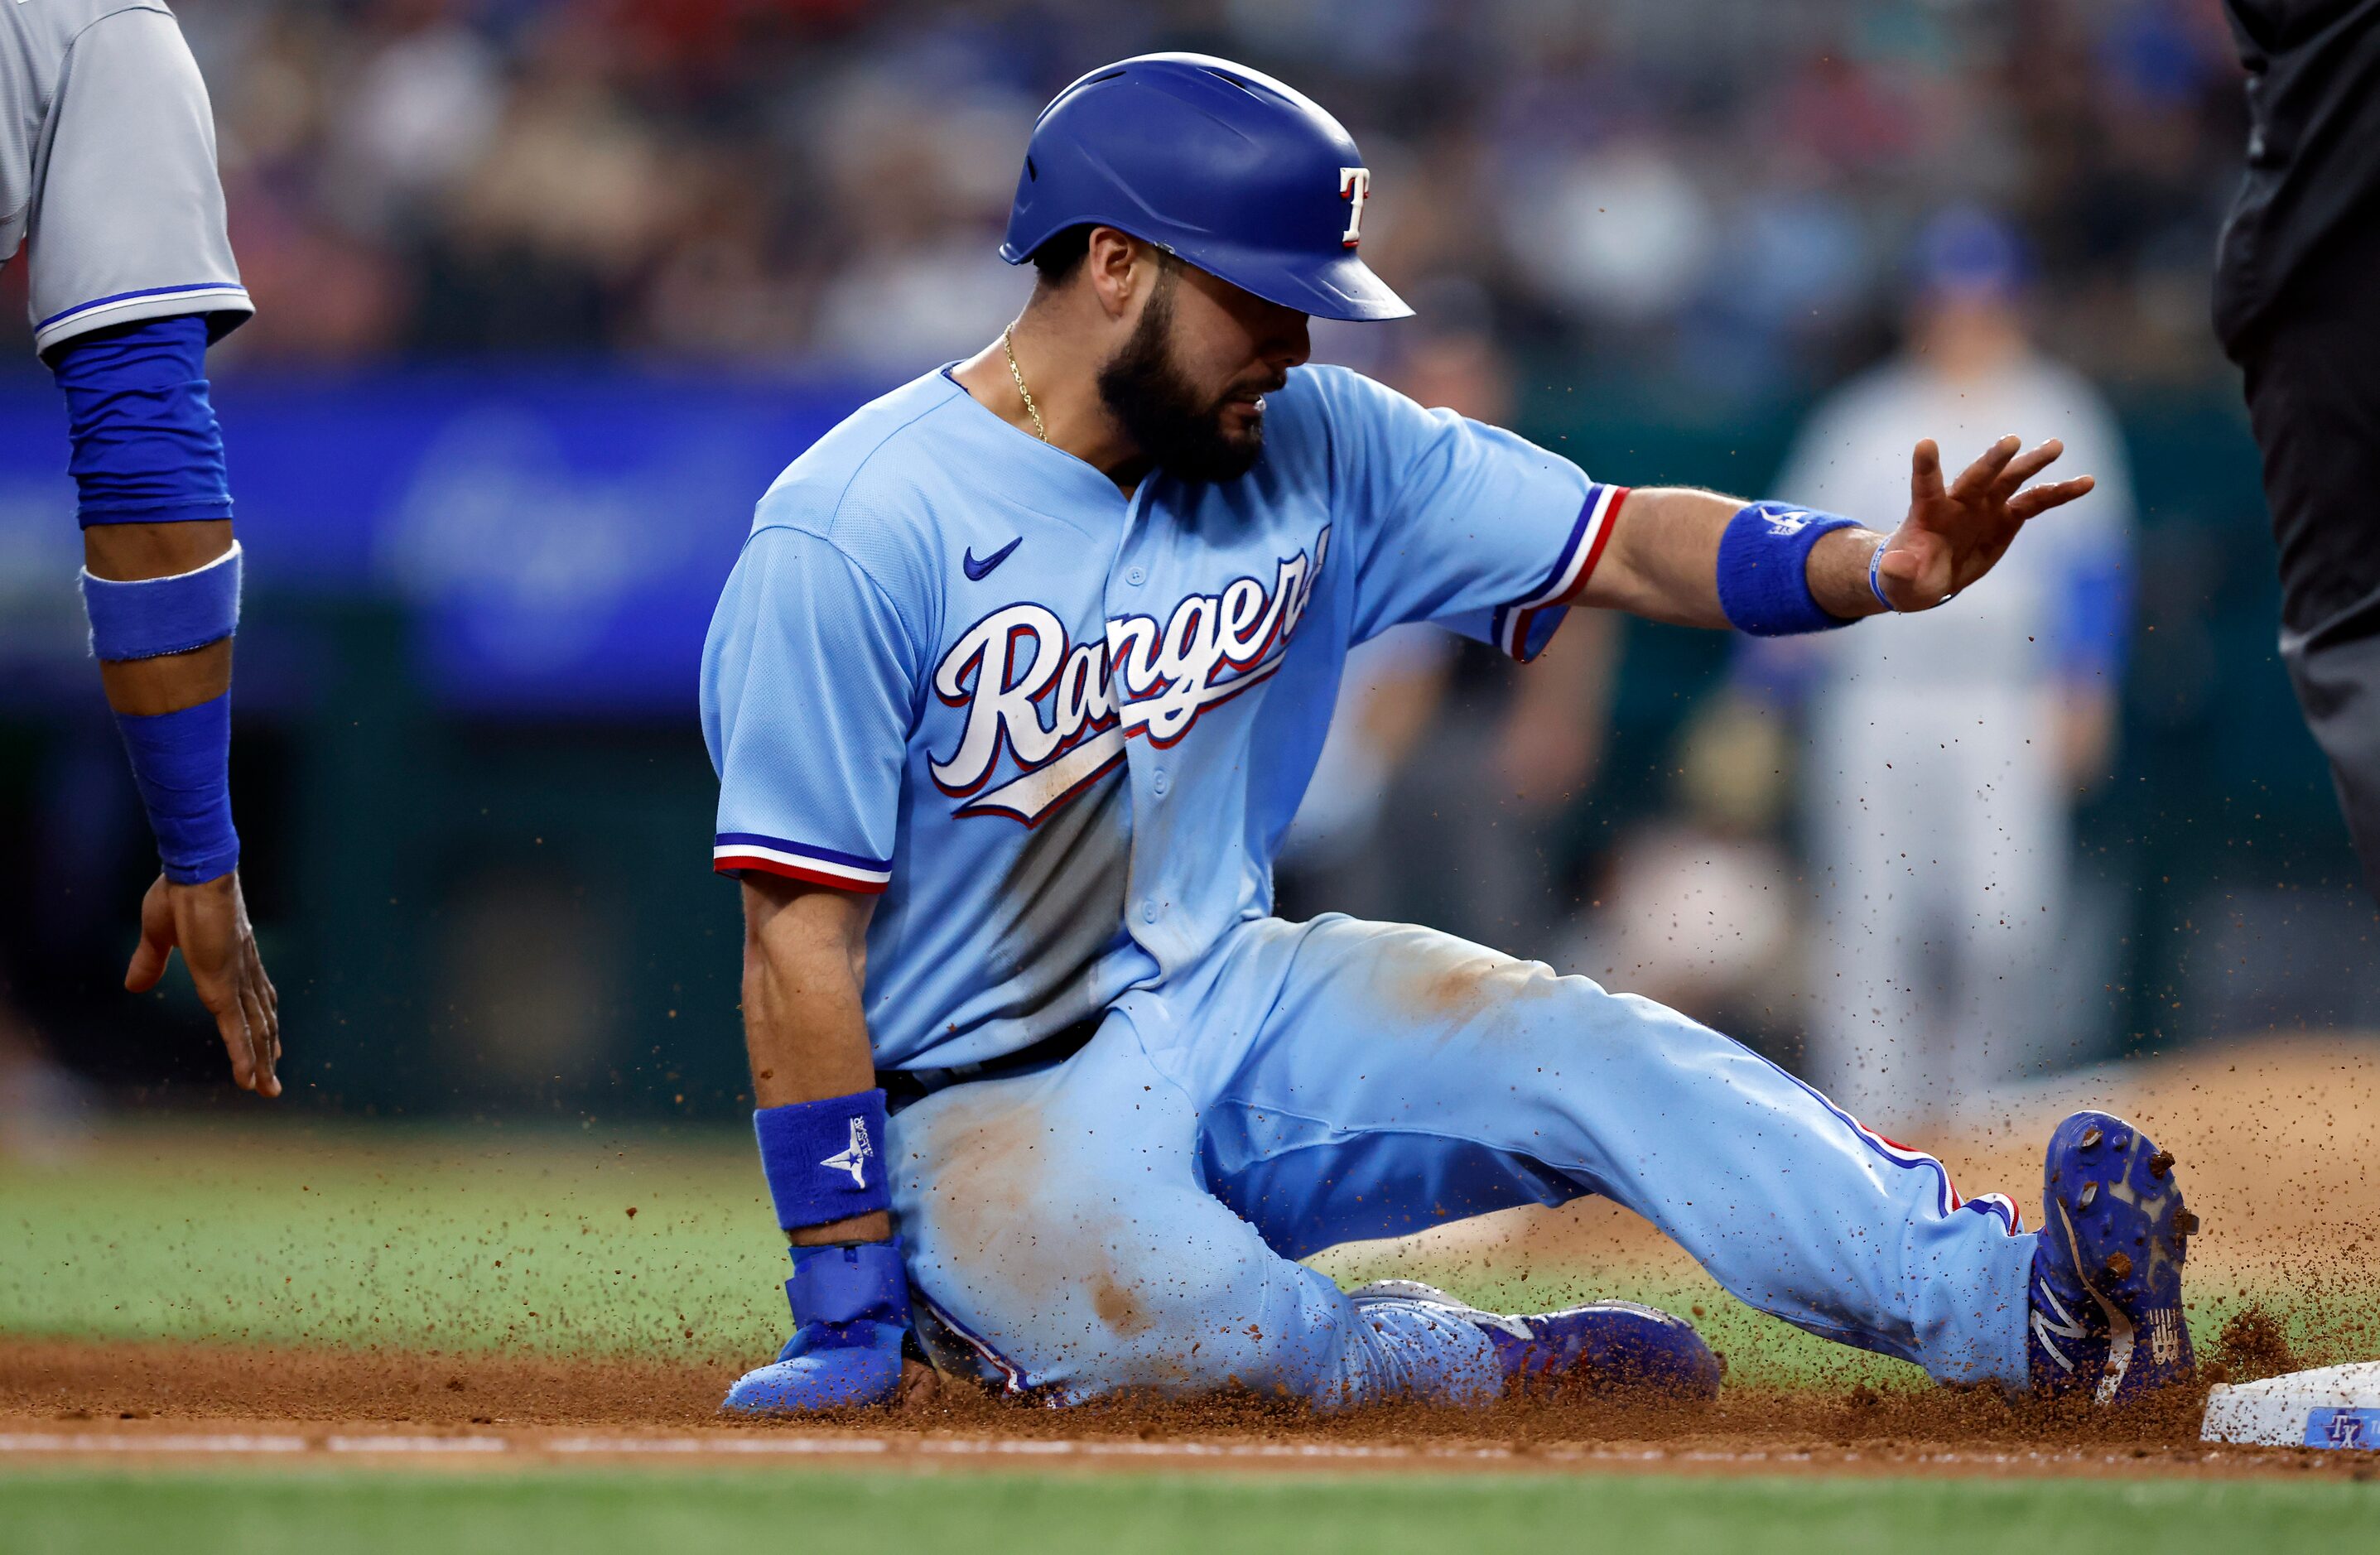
point(455, 1239)
point(589, 1513)
point(503, 1238)
point(497, 1237)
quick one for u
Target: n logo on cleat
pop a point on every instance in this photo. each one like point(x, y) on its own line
point(2064, 1328)
point(854, 1158)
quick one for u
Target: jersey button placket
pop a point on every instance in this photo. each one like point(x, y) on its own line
point(1152, 784)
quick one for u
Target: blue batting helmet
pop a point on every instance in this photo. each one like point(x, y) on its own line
point(1212, 161)
point(1967, 250)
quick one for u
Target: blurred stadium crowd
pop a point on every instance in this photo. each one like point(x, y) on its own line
point(547, 289)
point(1720, 189)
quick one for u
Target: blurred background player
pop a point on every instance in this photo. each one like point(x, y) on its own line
point(545, 291)
point(1945, 754)
point(107, 177)
point(2297, 306)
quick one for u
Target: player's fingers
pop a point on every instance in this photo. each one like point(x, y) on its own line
point(259, 1038)
point(270, 998)
point(232, 1025)
point(156, 944)
point(148, 964)
point(1926, 472)
point(2041, 499)
point(2024, 466)
point(1977, 477)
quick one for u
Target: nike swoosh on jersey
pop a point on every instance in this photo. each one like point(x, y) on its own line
point(978, 571)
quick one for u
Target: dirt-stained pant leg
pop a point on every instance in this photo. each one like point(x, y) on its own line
point(1127, 1220)
point(1363, 1079)
point(1061, 1237)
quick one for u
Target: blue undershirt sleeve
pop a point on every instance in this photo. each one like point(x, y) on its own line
point(146, 446)
point(147, 451)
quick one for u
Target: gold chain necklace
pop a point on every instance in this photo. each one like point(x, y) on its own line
point(1008, 344)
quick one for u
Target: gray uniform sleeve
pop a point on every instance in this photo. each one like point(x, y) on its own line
point(128, 212)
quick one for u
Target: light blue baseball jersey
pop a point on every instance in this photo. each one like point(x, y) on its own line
point(1061, 731)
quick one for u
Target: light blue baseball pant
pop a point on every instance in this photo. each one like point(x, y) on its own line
point(1127, 1220)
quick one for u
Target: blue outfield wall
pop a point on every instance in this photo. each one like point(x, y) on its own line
point(558, 534)
point(467, 686)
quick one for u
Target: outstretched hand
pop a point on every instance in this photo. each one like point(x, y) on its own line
point(1953, 536)
point(208, 923)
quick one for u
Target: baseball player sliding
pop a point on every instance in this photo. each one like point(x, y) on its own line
point(1012, 695)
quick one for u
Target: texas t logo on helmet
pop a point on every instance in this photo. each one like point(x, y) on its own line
point(1354, 184)
point(1221, 166)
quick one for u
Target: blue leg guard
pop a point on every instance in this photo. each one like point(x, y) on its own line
point(851, 1313)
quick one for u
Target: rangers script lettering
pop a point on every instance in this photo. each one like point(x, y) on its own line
point(1144, 678)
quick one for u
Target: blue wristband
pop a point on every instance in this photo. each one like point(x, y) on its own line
point(1764, 570)
point(180, 762)
point(162, 616)
point(822, 1158)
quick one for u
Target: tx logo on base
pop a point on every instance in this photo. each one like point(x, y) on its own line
point(2350, 1428)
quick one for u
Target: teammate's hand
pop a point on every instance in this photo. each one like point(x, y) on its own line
point(1953, 536)
point(209, 925)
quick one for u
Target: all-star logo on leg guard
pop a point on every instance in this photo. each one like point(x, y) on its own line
point(854, 1158)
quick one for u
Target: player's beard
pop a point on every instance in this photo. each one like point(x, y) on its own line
point(1180, 429)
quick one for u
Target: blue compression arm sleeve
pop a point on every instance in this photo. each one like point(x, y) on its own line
point(179, 762)
point(146, 446)
point(147, 451)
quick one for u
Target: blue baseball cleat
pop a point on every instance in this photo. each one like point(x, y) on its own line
point(2106, 1273)
point(1611, 1345)
point(851, 1314)
point(803, 1382)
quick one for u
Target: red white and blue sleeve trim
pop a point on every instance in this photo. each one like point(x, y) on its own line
point(734, 851)
point(1517, 625)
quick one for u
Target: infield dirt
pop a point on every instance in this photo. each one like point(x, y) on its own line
point(2279, 1142)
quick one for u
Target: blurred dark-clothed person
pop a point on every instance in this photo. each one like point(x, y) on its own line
point(2297, 303)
